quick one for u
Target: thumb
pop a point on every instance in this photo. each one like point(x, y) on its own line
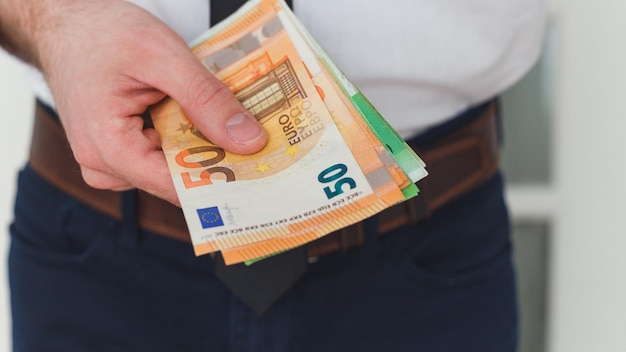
point(211, 106)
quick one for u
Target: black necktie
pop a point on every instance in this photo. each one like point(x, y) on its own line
point(220, 9)
point(261, 284)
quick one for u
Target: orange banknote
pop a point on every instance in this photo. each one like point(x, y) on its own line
point(322, 169)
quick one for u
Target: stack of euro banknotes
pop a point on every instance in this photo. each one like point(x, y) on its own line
point(331, 159)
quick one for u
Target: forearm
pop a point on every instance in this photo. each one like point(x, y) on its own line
point(18, 20)
point(25, 25)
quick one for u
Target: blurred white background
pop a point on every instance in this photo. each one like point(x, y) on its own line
point(578, 298)
point(16, 107)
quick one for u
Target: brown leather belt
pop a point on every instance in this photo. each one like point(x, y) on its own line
point(456, 162)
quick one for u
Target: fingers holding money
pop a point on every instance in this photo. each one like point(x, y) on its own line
point(122, 61)
point(132, 158)
point(209, 104)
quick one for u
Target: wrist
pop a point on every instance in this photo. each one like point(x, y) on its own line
point(28, 26)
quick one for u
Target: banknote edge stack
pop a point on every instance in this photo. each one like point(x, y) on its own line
point(408, 161)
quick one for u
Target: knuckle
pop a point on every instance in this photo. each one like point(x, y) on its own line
point(209, 92)
point(98, 180)
point(83, 157)
point(94, 181)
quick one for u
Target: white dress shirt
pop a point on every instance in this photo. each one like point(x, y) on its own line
point(420, 62)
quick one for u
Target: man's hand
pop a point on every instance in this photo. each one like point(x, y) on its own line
point(106, 62)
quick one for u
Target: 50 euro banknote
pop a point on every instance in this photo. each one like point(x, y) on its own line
point(323, 168)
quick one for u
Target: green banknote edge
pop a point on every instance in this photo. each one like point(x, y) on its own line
point(256, 260)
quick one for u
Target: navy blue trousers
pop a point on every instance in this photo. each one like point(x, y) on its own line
point(81, 281)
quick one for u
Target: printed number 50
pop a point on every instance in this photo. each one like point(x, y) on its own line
point(335, 174)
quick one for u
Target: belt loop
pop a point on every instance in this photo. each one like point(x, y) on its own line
point(417, 207)
point(131, 233)
point(352, 236)
point(371, 236)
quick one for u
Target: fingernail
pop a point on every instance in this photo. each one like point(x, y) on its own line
point(243, 128)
